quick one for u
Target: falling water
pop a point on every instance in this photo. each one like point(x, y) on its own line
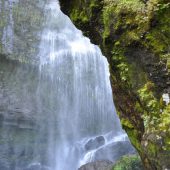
point(80, 88)
point(67, 102)
point(7, 38)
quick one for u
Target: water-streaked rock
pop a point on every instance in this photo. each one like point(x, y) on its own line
point(98, 165)
point(95, 143)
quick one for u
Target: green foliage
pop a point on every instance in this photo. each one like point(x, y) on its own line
point(123, 69)
point(152, 148)
point(151, 106)
point(127, 124)
point(83, 13)
point(133, 21)
point(124, 16)
point(79, 15)
point(156, 117)
point(120, 63)
point(129, 162)
point(168, 63)
point(106, 20)
point(158, 38)
point(164, 124)
point(133, 5)
point(147, 97)
point(133, 136)
point(161, 7)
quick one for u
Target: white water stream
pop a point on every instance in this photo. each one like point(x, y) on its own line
point(79, 76)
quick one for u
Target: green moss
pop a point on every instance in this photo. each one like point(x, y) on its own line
point(107, 14)
point(164, 122)
point(82, 11)
point(168, 63)
point(120, 16)
point(79, 15)
point(133, 136)
point(120, 63)
point(126, 124)
point(93, 4)
point(152, 148)
point(137, 76)
point(151, 106)
point(133, 21)
point(158, 38)
point(129, 162)
point(157, 119)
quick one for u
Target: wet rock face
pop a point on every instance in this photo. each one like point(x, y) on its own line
point(114, 151)
point(98, 165)
point(37, 166)
point(103, 148)
point(16, 107)
point(155, 69)
point(95, 143)
point(20, 29)
point(13, 152)
point(19, 127)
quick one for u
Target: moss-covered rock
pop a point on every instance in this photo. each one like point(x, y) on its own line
point(134, 35)
point(20, 28)
point(128, 162)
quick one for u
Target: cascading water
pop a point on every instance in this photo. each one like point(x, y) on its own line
point(69, 99)
point(79, 78)
point(7, 38)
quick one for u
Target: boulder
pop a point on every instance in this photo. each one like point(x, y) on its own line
point(114, 151)
point(98, 165)
point(95, 143)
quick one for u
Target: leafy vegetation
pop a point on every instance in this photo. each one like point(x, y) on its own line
point(129, 162)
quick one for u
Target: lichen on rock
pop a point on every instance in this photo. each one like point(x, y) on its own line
point(20, 29)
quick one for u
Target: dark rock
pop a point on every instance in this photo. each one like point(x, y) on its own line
point(95, 143)
point(98, 165)
point(114, 151)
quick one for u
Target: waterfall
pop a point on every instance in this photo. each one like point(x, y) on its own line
point(81, 92)
point(70, 115)
point(7, 38)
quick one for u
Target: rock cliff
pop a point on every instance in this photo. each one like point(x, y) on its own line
point(134, 35)
point(20, 28)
